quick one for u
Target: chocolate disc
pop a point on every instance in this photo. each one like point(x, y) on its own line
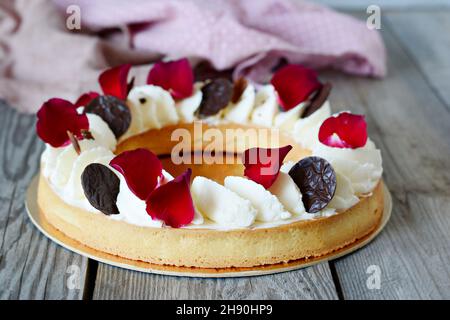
point(238, 89)
point(318, 100)
point(113, 111)
point(101, 187)
point(216, 96)
point(316, 180)
point(205, 71)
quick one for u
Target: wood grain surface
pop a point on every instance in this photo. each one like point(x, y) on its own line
point(409, 123)
point(311, 283)
point(31, 266)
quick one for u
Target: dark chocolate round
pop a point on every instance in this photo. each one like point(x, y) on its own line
point(318, 100)
point(238, 89)
point(316, 180)
point(113, 111)
point(216, 96)
point(101, 187)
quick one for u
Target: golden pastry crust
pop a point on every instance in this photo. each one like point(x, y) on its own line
point(238, 138)
point(210, 248)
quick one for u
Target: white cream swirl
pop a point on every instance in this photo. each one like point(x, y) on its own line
point(306, 130)
point(132, 209)
point(240, 111)
point(286, 120)
point(63, 168)
point(268, 207)
point(287, 192)
point(266, 106)
point(344, 196)
point(186, 107)
point(362, 166)
point(222, 205)
point(101, 132)
point(154, 107)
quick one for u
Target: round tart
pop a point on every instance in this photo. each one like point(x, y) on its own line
point(213, 174)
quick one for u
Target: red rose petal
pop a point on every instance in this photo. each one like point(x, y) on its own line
point(55, 118)
point(141, 169)
point(294, 84)
point(172, 202)
point(176, 77)
point(345, 130)
point(263, 165)
point(85, 98)
point(114, 81)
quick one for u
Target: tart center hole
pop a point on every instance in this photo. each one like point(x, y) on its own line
point(215, 166)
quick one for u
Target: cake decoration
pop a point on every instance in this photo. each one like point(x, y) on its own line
point(346, 130)
point(276, 211)
point(176, 77)
point(262, 165)
point(317, 101)
point(101, 187)
point(316, 180)
point(114, 81)
point(85, 98)
point(295, 84)
point(216, 96)
point(239, 87)
point(141, 169)
point(110, 106)
point(56, 117)
point(268, 206)
point(74, 142)
point(113, 111)
point(172, 202)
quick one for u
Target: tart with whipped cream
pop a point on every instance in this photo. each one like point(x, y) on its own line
point(213, 174)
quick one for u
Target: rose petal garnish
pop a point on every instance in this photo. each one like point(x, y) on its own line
point(176, 77)
point(85, 98)
point(263, 165)
point(114, 81)
point(141, 169)
point(294, 84)
point(172, 202)
point(345, 130)
point(55, 118)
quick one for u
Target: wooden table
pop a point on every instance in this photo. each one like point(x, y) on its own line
point(409, 119)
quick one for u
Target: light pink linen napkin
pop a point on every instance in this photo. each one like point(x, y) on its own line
point(41, 58)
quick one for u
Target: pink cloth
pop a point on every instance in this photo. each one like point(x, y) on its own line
point(42, 59)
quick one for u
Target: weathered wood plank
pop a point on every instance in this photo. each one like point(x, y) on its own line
point(310, 283)
point(412, 254)
point(426, 38)
point(31, 266)
point(410, 125)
